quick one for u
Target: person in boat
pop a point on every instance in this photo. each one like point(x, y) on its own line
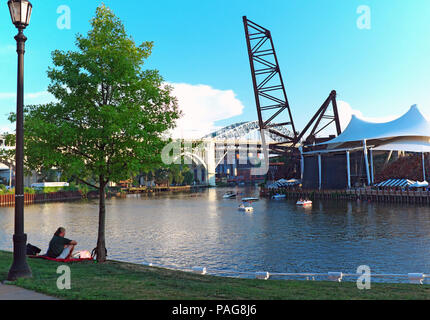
point(59, 246)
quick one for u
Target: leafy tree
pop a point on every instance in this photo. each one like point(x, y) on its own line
point(161, 176)
point(108, 120)
point(188, 177)
point(48, 175)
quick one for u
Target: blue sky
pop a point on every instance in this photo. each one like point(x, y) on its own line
point(380, 72)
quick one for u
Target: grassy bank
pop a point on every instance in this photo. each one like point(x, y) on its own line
point(115, 280)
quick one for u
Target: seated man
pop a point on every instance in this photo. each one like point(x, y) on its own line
point(60, 247)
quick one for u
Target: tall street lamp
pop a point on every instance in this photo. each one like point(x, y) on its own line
point(20, 12)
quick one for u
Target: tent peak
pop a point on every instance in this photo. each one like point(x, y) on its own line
point(413, 123)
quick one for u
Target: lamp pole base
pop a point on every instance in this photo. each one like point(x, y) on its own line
point(19, 268)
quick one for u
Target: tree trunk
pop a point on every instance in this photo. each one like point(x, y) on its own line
point(101, 243)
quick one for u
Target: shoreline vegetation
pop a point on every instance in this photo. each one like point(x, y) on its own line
point(120, 280)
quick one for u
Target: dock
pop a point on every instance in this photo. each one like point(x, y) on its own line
point(386, 196)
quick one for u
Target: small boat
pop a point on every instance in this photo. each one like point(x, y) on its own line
point(249, 199)
point(304, 203)
point(245, 208)
point(278, 196)
point(229, 195)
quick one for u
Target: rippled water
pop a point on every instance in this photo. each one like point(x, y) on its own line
point(186, 230)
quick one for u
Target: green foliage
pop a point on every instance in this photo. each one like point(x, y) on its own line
point(173, 174)
point(29, 190)
point(84, 188)
point(7, 191)
point(188, 177)
point(4, 190)
point(109, 115)
point(48, 175)
point(49, 189)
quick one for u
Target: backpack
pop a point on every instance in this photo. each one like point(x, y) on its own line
point(32, 250)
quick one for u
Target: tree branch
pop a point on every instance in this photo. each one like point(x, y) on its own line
point(87, 183)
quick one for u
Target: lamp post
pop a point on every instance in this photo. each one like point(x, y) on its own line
point(20, 12)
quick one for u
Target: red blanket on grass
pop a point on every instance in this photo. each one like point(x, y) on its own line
point(61, 260)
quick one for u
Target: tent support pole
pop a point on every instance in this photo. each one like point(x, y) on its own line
point(389, 157)
point(424, 166)
point(319, 171)
point(372, 176)
point(366, 162)
point(348, 169)
point(302, 163)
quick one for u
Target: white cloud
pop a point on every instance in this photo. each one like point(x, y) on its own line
point(44, 95)
point(346, 111)
point(8, 102)
point(7, 128)
point(202, 106)
point(32, 97)
point(37, 95)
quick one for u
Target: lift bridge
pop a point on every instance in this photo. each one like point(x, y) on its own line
point(275, 114)
point(226, 149)
point(274, 130)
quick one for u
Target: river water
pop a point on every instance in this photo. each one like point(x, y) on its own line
point(202, 229)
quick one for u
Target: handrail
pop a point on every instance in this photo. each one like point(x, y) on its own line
point(414, 278)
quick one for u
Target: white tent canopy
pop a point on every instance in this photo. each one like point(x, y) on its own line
point(410, 133)
point(411, 124)
point(405, 145)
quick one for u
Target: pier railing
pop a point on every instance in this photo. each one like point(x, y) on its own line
point(367, 194)
point(29, 198)
point(413, 278)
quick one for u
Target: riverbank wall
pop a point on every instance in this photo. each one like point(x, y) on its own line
point(29, 198)
point(386, 196)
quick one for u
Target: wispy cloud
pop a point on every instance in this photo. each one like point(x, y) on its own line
point(8, 101)
point(6, 49)
point(7, 128)
point(32, 97)
point(346, 112)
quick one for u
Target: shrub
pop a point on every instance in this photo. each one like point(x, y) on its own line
point(29, 190)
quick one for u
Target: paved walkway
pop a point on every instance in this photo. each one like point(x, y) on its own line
point(10, 292)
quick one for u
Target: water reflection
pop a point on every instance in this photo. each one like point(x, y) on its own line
point(192, 229)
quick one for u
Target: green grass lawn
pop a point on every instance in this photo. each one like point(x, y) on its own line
point(117, 280)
